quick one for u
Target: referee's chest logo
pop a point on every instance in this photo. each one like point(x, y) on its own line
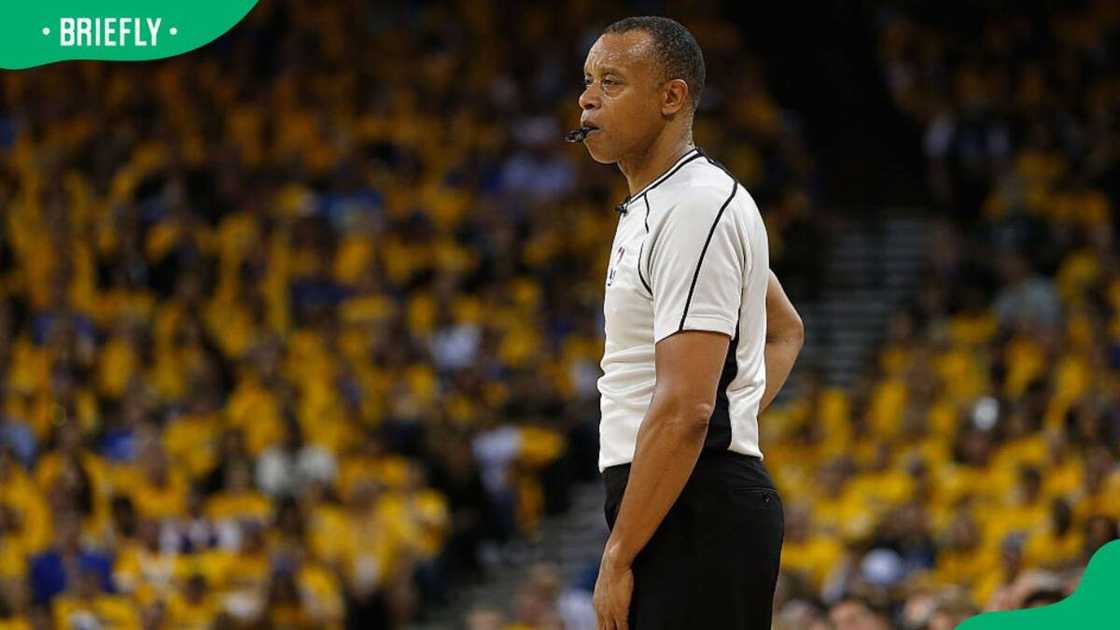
point(614, 267)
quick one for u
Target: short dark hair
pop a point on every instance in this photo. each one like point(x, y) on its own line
point(867, 603)
point(677, 51)
point(1042, 597)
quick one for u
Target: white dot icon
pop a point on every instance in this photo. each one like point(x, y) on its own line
point(174, 31)
point(46, 30)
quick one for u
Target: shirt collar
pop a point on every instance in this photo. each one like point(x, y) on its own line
point(690, 155)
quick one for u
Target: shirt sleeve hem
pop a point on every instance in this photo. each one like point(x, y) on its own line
point(698, 322)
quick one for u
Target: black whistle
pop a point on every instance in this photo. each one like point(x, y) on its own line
point(578, 135)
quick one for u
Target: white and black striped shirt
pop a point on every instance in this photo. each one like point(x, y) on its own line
point(690, 253)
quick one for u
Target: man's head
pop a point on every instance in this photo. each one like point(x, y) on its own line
point(642, 77)
point(855, 613)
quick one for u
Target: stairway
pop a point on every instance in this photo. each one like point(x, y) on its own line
point(873, 268)
point(571, 542)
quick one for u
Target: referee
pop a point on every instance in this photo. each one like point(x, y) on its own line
point(699, 338)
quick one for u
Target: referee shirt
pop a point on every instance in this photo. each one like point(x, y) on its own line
point(690, 253)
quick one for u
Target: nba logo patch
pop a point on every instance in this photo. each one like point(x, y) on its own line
point(614, 267)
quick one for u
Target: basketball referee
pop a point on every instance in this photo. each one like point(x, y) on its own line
point(699, 338)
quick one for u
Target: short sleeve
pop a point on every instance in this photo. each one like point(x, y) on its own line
point(695, 266)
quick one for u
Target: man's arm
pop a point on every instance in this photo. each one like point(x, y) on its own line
point(785, 334)
point(688, 367)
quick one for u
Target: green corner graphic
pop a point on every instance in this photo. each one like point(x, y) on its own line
point(37, 33)
point(1095, 605)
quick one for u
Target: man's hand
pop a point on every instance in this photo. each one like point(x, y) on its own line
point(785, 334)
point(613, 589)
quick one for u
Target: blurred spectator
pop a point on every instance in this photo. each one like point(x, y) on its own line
point(287, 468)
point(541, 601)
point(1099, 530)
point(801, 614)
point(857, 614)
point(1026, 300)
point(953, 607)
point(69, 564)
point(16, 438)
point(485, 619)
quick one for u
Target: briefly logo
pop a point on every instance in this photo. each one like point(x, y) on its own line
point(110, 31)
point(37, 33)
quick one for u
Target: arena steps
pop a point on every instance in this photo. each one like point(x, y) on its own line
point(873, 269)
point(572, 542)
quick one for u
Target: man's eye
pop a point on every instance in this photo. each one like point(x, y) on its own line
point(587, 82)
point(610, 82)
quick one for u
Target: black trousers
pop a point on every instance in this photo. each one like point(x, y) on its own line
point(713, 562)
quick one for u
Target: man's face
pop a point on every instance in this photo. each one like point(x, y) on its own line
point(621, 97)
point(854, 616)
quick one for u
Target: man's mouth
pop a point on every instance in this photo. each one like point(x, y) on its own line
point(579, 135)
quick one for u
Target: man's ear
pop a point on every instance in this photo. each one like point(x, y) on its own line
point(674, 97)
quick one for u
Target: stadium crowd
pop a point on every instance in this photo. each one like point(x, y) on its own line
point(302, 329)
point(976, 466)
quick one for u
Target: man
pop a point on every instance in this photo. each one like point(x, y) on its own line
point(856, 613)
point(696, 524)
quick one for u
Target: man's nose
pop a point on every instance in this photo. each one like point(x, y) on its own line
point(588, 100)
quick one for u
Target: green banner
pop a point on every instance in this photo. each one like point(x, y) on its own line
point(33, 33)
point(1095, 605)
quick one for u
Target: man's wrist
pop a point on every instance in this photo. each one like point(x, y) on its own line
point(613, 556)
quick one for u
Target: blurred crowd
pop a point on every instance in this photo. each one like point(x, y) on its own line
point(976, 465)
point(302, 329)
